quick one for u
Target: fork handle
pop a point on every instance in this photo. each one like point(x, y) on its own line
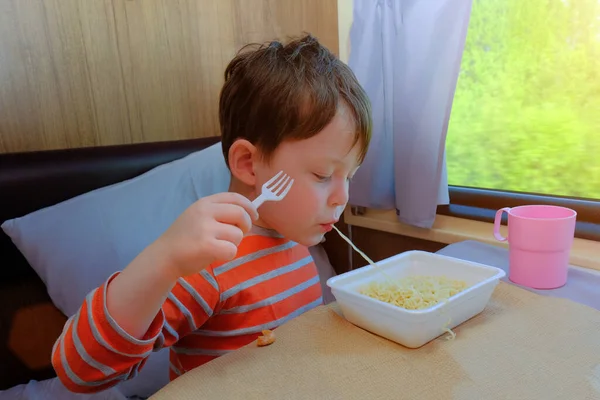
point(259, 200)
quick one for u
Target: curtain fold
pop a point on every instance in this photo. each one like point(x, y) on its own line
point(407, 54)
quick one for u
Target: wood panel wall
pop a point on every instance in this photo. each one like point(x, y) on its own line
point(77, 73)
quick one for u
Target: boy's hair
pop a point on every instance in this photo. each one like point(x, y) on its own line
point(274, 92)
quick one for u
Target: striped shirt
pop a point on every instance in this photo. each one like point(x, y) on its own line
point(206, 315)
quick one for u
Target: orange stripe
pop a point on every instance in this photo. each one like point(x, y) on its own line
point(271, 287)
point(259, 267)
point(68, 383)
point(198, 314)
point(109, 334)
point(100, 354)
point(265, 315)
point(169, 339)
point(205, 290)
point(252, 243)
point(177, 321)
point(216, 343)
point(255, 268)
point(82, 369)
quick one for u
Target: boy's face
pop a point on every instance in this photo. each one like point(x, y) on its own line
point(321, 167)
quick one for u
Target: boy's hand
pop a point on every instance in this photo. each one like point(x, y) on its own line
point(207, 231)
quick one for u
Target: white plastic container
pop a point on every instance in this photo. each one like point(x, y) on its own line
point(414, 328)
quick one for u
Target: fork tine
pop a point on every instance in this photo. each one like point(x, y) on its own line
point(279, 186)
point(287, 189)
point(273, 179)
point(274, 189)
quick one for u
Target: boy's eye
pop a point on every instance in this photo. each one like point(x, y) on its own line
point(322, 178)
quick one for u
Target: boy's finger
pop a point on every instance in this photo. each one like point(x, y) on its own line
point(224, 250)
point(229, 233)
point(238, 199)
point(233, 214)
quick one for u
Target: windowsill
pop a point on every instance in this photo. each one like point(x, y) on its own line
point(446, 229)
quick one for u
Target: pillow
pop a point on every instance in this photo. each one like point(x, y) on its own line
point(74, 246)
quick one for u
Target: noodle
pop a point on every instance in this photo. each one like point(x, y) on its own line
point(360, 252)
point(450, 332)
point(414, 292)
point(355, 248)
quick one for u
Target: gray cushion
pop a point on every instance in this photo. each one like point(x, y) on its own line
point(76, 245)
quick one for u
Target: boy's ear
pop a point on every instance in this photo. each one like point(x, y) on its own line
point(242, 156)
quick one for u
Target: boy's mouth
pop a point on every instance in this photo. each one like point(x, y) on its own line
point(328, 226)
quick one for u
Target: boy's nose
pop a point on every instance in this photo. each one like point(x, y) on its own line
point(339, 196)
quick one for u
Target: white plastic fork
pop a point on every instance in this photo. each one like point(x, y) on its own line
point(275, 189)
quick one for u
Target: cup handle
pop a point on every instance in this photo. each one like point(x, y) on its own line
point(497, 221)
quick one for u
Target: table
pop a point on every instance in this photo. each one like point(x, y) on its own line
point(515, 349)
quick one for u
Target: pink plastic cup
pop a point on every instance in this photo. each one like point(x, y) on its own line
point(540, 239)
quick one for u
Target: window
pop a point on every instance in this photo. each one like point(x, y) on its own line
point(526, 112)
point(525, 122)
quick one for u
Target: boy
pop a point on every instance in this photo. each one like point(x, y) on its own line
point(224, 271)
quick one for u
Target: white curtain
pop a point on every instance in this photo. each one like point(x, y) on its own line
point(407, 54)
